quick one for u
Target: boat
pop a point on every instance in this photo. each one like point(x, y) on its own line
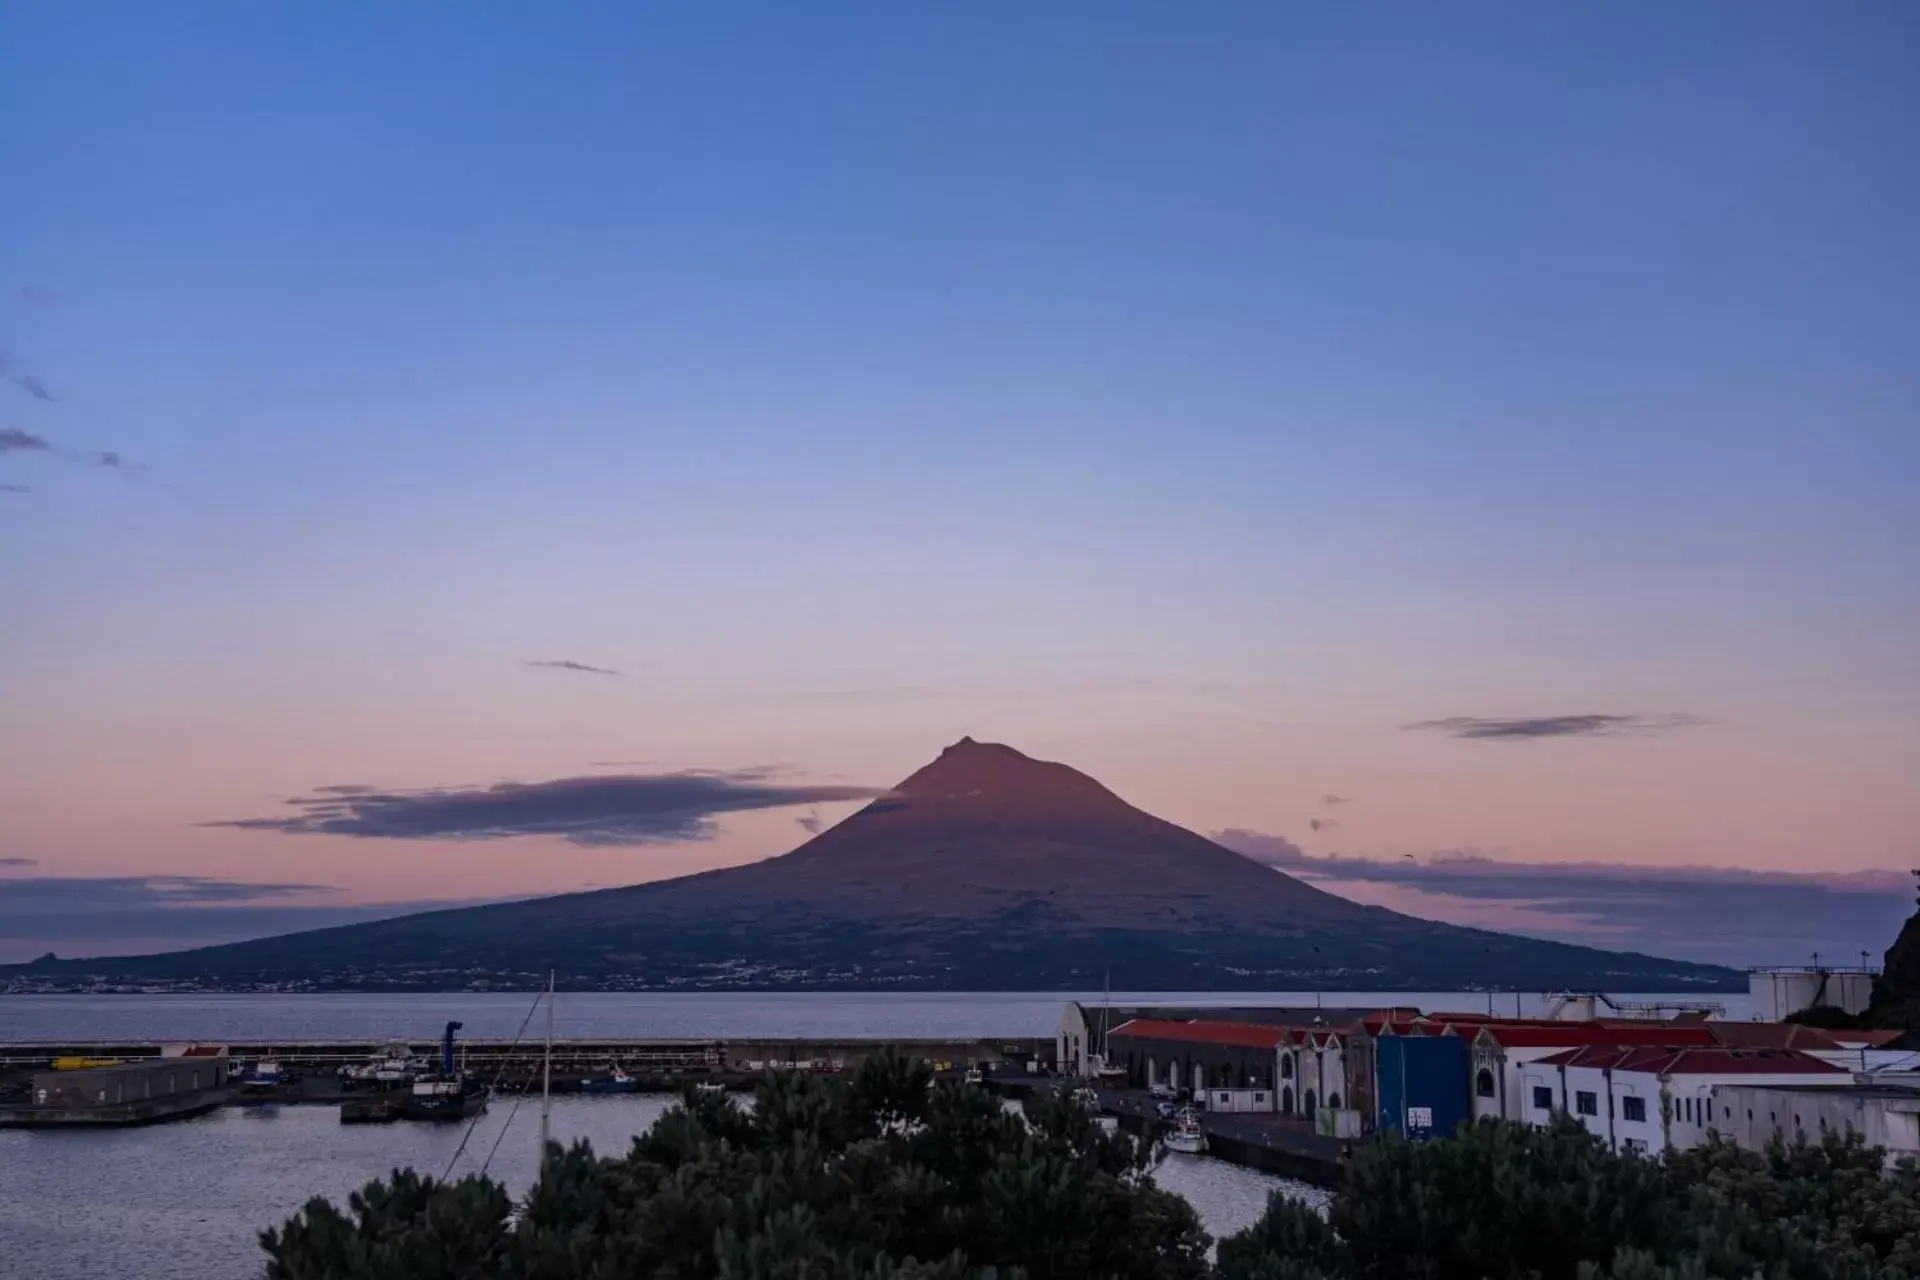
point(1187, 1136)
point(262, 1082)
point(396, 1065)
point(615, 1081)
point(975, 1076)
point(447, 1095)
point(437, 1098)
point(709, 1086)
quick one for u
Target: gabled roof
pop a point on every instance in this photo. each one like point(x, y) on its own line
point(1243, 1035)
point(1854, 1039)
point(1660, 1061)
point(1570, 1035)
point(1771, 1035)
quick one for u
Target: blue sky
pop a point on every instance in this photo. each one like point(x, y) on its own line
point(1194, 393)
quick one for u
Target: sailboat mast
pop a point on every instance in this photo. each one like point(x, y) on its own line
point(546, 1078)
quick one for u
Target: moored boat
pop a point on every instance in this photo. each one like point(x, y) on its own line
point(437, 1098)
point(615, 1081)
point(1187, 1136)
point(450, 1095)
point(262, 1082)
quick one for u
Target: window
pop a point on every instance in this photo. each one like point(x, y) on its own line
point(1333, 1101)
point(1542, 1098)
point(1483, 1083)
point(1587, 1104)
point(1632, 1108)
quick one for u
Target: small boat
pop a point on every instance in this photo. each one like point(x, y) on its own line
point(709, 1086)
point(446, 1096)
point(262, 1082)
point(616, 1081)
point(1187, 1136)
point(437, 1098)
point(398, 1064)
point(975, 1076)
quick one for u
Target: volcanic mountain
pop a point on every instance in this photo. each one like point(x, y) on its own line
point(986, 870)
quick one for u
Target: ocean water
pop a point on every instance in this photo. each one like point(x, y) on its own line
point(188, 1200)
point(655, 1015)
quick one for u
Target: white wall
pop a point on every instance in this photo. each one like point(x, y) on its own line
point(1754, 1115)
point(1667, 1119)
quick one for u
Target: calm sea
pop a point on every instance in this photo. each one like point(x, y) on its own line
point(189, 1199)
point(717, 1015)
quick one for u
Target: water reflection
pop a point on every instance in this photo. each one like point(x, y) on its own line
point(189, 1199)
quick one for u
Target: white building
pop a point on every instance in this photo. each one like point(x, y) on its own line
point(1656, 1099)
point(1884, 1116)
point(1313, 1071)
point(1508, 1081)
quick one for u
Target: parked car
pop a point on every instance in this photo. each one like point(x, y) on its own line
point(1163, 1091)
point(1166, 1110)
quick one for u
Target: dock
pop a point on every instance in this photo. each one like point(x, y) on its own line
point(655, 1063)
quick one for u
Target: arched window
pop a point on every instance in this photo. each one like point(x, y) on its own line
point(1286, 1066)
point(1286, 1101)
point(1483, 1083)
point(1309, 1102)
point(1333, 1101)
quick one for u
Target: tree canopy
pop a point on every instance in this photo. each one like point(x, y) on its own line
point(1519, 1202)
point(885, 1176)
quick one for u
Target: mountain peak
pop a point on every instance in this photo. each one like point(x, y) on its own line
point(993, 771)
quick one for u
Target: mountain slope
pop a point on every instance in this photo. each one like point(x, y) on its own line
point(985, 870)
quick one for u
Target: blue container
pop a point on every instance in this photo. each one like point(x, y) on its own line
point(1423, 1085)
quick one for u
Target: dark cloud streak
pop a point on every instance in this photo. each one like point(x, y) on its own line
point(1722, 915)
point(567, 665)
point(633, 809)
point(1531, 728)
point(14, 440)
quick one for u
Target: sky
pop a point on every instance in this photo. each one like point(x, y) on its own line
point(1503, 418)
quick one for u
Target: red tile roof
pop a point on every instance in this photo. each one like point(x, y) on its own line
point(1771, 1035)
point(1574, 1034)
point(1246, 1035)
point(1871, 1039)
point(1660, 1061)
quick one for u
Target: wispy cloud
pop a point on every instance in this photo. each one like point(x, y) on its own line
point(16, 488)
point(96, 892)
point(122, 915)
point(14, 440)
point(32, 386)
point(1530, 728)
point(565, 665)
point(632, 809)
point(1724, 915)
point(1321, 824)
point(1332, 799)
point(36, 297)
point(19, 862)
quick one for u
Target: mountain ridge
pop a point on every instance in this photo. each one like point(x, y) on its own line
point(983, 870)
